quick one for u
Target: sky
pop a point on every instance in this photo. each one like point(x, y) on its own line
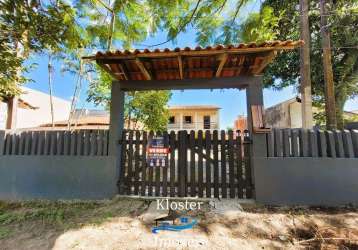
point(232, 102)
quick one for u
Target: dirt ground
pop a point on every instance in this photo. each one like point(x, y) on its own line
point(118, 224)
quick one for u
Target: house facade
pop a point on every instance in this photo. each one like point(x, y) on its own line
point(32, 109)
point(194, 117)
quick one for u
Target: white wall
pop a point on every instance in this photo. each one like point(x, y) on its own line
point(29, 118)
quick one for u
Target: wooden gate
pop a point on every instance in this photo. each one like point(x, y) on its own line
point(200, 164)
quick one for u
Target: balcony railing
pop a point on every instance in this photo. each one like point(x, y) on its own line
point(193, 126)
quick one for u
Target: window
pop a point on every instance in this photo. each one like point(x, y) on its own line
point(171, 119)
point(187, 119)
point(206, 122)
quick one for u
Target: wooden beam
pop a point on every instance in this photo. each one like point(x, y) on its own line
point(143, 69)
point(124, 71)
point(223, 59)
point(239, 82)
point(180, 65)
point(108, 69)
point(258, 70)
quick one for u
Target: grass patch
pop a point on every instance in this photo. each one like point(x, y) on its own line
point(4, 232)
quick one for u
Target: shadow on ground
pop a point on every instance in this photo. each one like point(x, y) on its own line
point(116, 224)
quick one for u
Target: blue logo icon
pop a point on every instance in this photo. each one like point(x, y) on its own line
point(185, 223)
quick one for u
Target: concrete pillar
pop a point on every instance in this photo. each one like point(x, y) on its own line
point(254, 96)
point(116, 125)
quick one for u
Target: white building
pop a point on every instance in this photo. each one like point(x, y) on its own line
point(34, 109)
point(194, 117)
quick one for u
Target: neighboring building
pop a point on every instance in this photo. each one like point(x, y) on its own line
point(240, 123)
point(288, 114)
point(31, 109)
point(90, 119)
point(195, 117)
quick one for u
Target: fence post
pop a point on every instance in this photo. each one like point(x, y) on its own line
point(2, 142)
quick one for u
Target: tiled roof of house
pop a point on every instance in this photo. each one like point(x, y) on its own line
point(188, 63)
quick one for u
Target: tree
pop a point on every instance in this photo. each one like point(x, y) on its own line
point(125, 23)
point(343, 21)
point(31, 27)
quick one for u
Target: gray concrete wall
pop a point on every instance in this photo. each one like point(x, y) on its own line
point(57, 177)
point(306, 181)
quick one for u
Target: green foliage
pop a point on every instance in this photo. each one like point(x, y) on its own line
point(260, 27)
point(149, 107)
point(343, 21)
point(32, 27)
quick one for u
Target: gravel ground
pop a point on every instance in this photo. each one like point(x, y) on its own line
point(120, 224)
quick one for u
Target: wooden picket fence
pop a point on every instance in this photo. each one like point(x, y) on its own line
point(200, 164)
point(312, 143)
point(51, 142)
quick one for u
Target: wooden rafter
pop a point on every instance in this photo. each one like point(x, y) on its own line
point(266, 60)
point(180, 65)
point(143, 70)
point(223, 59)
point(124, 71)
point(108, 69)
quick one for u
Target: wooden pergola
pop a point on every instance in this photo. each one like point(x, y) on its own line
point(232, 66)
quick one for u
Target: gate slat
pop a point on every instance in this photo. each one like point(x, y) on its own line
point(270, 143)
point(34, 142)
point(294, 143)
point(286, 142)
point(354, 134)
point(87, 143)
point(122, 183)
point(130, 163)
point(322, 144)
point(165, 168)
point(60, 142)
point(192, 163)
point(157, 174)
point(216, 163)
point(2, 142)
point(100, 143)
point(278, 142)
point(47, 141)
point(313, 147)
point(144, 164)
point(8, 143)
point(22, 143)
point(13, 143)
point(303, 139)
point(348, 144)
point(150, 172)
point(247, 159)
point(73, 143)
point(182, 163)
point(79, 142)
point(66, 142)
point(53, 142)
point(136, 163)
point(172, 163)
point(238, 157)
point(41, 146)
point(331, 146)
point(105, 143)
point(208, 163)
point(28, 141)
point(93, 142)
point(339, 143)
point(223, 164)
point(231, 164)
point(200, 164)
